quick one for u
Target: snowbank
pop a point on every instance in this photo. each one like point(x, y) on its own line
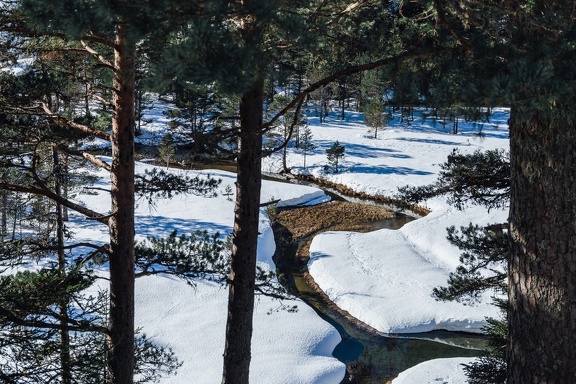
point(437, 371)
point(287, 347)
point(385, 278)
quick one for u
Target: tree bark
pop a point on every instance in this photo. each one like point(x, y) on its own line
point(65, 184)
point(286, 137)
point(4, 214)
point(245, 238)
point(542, 266)
point(121, 324)
point(65, 360)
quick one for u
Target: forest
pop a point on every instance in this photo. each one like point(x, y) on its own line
point(237, 81)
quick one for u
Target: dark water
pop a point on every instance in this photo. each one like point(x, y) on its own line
point(383, 359)
point(378, 358)
point(375, 358)
point(370, 358)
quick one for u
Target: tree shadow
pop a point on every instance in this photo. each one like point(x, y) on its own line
point(160, 226)
point(384, 170)
point(360, 150)
point(431, 141)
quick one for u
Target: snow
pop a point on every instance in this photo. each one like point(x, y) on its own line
point(437, 371)
point(18, 68)
point(192, 322)
point(384, 278)
point(399, 269)
point(287, 347)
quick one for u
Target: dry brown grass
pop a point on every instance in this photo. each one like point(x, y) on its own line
point(332, 216)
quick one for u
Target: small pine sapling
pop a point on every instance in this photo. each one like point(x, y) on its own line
point(306, 143)
point(374, 115)
point(167, 149)
point(335, 153)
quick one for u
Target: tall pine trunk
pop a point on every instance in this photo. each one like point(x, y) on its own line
point(4, 214)
point(121, 224)
point(65, 360)
point(286, 137)
point(65, 184)
point(542, 266)
point(245, 238)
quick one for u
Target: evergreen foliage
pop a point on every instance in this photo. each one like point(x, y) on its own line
point(166, 150)
point(47, 109)
point(31, 346)
point(201, 119)
point(374, 115)
point(480, 178)
point(483, 178)
point(482, 263)
point(335, 154)
point(490, 368)
point(155, 183)
point(153, 362)
point(455, 56)
point(306, 143)
point(373, 89)
point(227, 192)
point(198, 255)
point(483, 268)
point(320, 98)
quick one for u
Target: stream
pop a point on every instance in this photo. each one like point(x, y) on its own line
point(370, 356)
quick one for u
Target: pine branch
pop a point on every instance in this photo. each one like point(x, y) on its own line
point(59, 199)
point(86, 155)
point(482, 264)
point(481, 178)
point(159, 183)
point(98, 56)
point(73, 325)
point(78, 127)
point(350, 70)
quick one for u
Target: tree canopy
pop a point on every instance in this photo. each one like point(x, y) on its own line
point(453, 56)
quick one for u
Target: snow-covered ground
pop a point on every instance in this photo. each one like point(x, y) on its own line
point(287, 347)
point(384, 278)
point(437, 371)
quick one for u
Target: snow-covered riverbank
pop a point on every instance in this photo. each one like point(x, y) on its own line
point(384, 278)
point(287, 347)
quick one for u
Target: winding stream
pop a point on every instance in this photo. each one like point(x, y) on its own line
point(370, 356)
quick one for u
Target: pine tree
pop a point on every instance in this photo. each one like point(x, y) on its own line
point(167, 149)
point(198, 118)
point(321, 97)
point(478, 178)
point(107, 35)
point(306, 143)
point(335, 153)
point(522, 57)
point(374, 115)
point(373, 89)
